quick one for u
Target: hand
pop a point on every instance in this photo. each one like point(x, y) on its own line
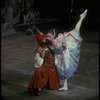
point(38, 50)
point(79, 39)
point(46, 49)
point(64, 45)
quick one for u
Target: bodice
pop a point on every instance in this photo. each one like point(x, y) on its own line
point(49, 60)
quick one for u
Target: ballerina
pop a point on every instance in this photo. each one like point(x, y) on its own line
point(66, 61)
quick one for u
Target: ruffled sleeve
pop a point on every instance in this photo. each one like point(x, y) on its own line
point(38, 60)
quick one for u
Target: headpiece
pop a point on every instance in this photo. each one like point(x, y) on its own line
point(40, 37)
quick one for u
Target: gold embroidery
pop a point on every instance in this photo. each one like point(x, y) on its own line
point(49, 61)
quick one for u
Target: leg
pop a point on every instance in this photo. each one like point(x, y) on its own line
point(65, 87)
point(37, 78)
point(82, 16)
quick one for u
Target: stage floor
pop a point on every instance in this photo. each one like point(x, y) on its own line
point(17, 60)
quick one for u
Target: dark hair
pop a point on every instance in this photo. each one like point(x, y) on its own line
point(53, 31)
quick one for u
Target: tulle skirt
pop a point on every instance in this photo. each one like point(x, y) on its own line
point(71, 61)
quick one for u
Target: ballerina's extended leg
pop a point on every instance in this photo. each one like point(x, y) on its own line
point(82, 16)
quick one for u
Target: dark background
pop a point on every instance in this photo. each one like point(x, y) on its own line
point(62, 9)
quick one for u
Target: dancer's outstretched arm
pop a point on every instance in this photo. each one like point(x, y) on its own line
point(76, 38)
point(59, 39)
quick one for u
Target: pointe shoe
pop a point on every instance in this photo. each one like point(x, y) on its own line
point(38, 92)
point(84, 14)
point(63, 88)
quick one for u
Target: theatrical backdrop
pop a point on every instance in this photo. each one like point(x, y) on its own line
point(22, 11)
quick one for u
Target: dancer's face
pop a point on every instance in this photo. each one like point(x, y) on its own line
point(44, 42)
point(44, 39)
point(49, 37)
